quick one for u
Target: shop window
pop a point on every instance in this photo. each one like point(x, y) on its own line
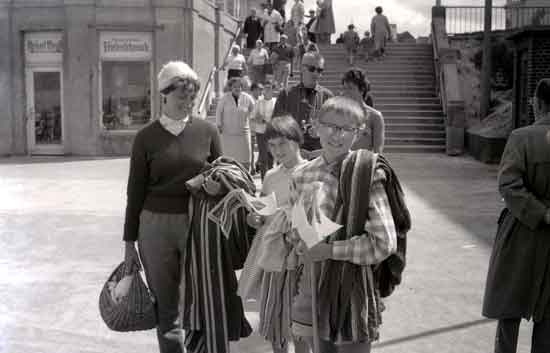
point(125, 79)
point(126, 94)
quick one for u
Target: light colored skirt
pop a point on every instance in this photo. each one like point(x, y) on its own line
point(237, 147)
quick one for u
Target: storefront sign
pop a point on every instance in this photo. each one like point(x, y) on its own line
point(44, 47)
point(125, 46)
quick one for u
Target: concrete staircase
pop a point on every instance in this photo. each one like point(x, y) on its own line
point(403, 87)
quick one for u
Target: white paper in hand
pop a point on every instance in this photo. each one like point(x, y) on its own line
point(264, 206)
point(312, 233)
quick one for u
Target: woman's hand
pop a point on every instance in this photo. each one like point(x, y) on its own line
point(255, 220)
point(131, 257)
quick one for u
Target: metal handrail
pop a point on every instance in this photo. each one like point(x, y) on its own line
point(469, 19)
point(208, 87)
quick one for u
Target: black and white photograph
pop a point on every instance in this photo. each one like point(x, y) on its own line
point(274, 176)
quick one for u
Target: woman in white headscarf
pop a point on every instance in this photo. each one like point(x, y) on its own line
point(166, 153)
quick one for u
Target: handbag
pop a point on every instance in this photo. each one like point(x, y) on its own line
point(133, 312)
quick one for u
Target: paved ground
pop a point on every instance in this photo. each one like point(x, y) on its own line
point(60, 237)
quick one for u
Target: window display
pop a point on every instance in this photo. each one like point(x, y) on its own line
point(126, 94)
point(125, 79)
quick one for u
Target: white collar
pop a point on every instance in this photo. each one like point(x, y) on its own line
point(175, 127)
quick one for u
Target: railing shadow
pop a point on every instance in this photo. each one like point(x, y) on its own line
point(433, 332)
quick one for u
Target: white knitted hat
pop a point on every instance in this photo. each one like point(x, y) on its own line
point(174, 71)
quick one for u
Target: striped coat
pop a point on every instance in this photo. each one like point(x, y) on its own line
point(212, 312)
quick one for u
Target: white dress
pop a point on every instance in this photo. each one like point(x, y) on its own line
point(234, 120)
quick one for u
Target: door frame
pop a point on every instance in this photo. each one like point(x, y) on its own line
point(32, 147)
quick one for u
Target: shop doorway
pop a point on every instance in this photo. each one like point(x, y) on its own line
point(45, 133)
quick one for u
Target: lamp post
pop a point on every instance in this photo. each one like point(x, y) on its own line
point(486, 64)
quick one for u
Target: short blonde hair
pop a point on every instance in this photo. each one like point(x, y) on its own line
point(344, 106)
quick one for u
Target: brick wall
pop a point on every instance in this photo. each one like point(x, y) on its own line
point(539, 67)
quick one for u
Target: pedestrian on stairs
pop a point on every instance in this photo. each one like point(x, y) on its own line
point(282, 58)
point(351, 43)
point(324, 27)
point(233, 120)
point(371, 135)
point(381, 32)
point(303, 100)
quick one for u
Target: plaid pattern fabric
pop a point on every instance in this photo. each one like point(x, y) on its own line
point(347, 288)
point(318, 176)
point(382, 241)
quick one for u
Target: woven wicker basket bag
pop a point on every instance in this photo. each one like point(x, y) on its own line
point(134, 312)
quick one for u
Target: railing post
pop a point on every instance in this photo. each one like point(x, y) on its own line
point(217, 37)
point(486, 64)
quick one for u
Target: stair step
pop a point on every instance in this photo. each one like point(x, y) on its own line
point(414, 149)
point(414, 134)
point(408, 107)
point(413, 127)
point(414, 120)
point(408, 89)
point(415, 113)
point(414, 140)
point(407, 100)
point(397, 94)
point(381, 71)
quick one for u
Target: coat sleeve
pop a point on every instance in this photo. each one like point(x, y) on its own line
point(512, 172)
point(137, 188)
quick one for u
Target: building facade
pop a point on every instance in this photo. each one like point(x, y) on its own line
point(79, 77)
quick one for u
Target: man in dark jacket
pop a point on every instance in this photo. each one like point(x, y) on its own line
point(303, 100)
point(518, 281)
point(253, 29)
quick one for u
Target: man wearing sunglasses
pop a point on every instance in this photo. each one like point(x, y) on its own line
point(304, 99)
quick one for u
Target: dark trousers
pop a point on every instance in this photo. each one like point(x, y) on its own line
point(506, 340)
point(161, 244)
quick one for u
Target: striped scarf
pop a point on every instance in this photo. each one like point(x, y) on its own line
point(212, 312)
point(348, 291)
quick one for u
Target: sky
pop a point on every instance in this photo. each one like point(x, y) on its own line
point(409, 15)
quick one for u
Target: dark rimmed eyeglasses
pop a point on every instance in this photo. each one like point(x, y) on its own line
point(339, 129)
point(312, 69)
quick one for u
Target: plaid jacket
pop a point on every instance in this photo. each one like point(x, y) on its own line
point(317, 175)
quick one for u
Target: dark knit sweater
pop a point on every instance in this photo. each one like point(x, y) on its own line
point(160, 165)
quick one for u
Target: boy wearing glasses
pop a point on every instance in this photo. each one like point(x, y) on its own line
point(304, 99)
point(350, 189)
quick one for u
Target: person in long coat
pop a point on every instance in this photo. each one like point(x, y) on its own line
point(518, 280)
point(381, 32)
point(233, 120)
point(324, 27)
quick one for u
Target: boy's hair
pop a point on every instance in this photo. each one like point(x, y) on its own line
point(351, 27)
point(284, 126)
point(343, 106)
point(378, 9)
